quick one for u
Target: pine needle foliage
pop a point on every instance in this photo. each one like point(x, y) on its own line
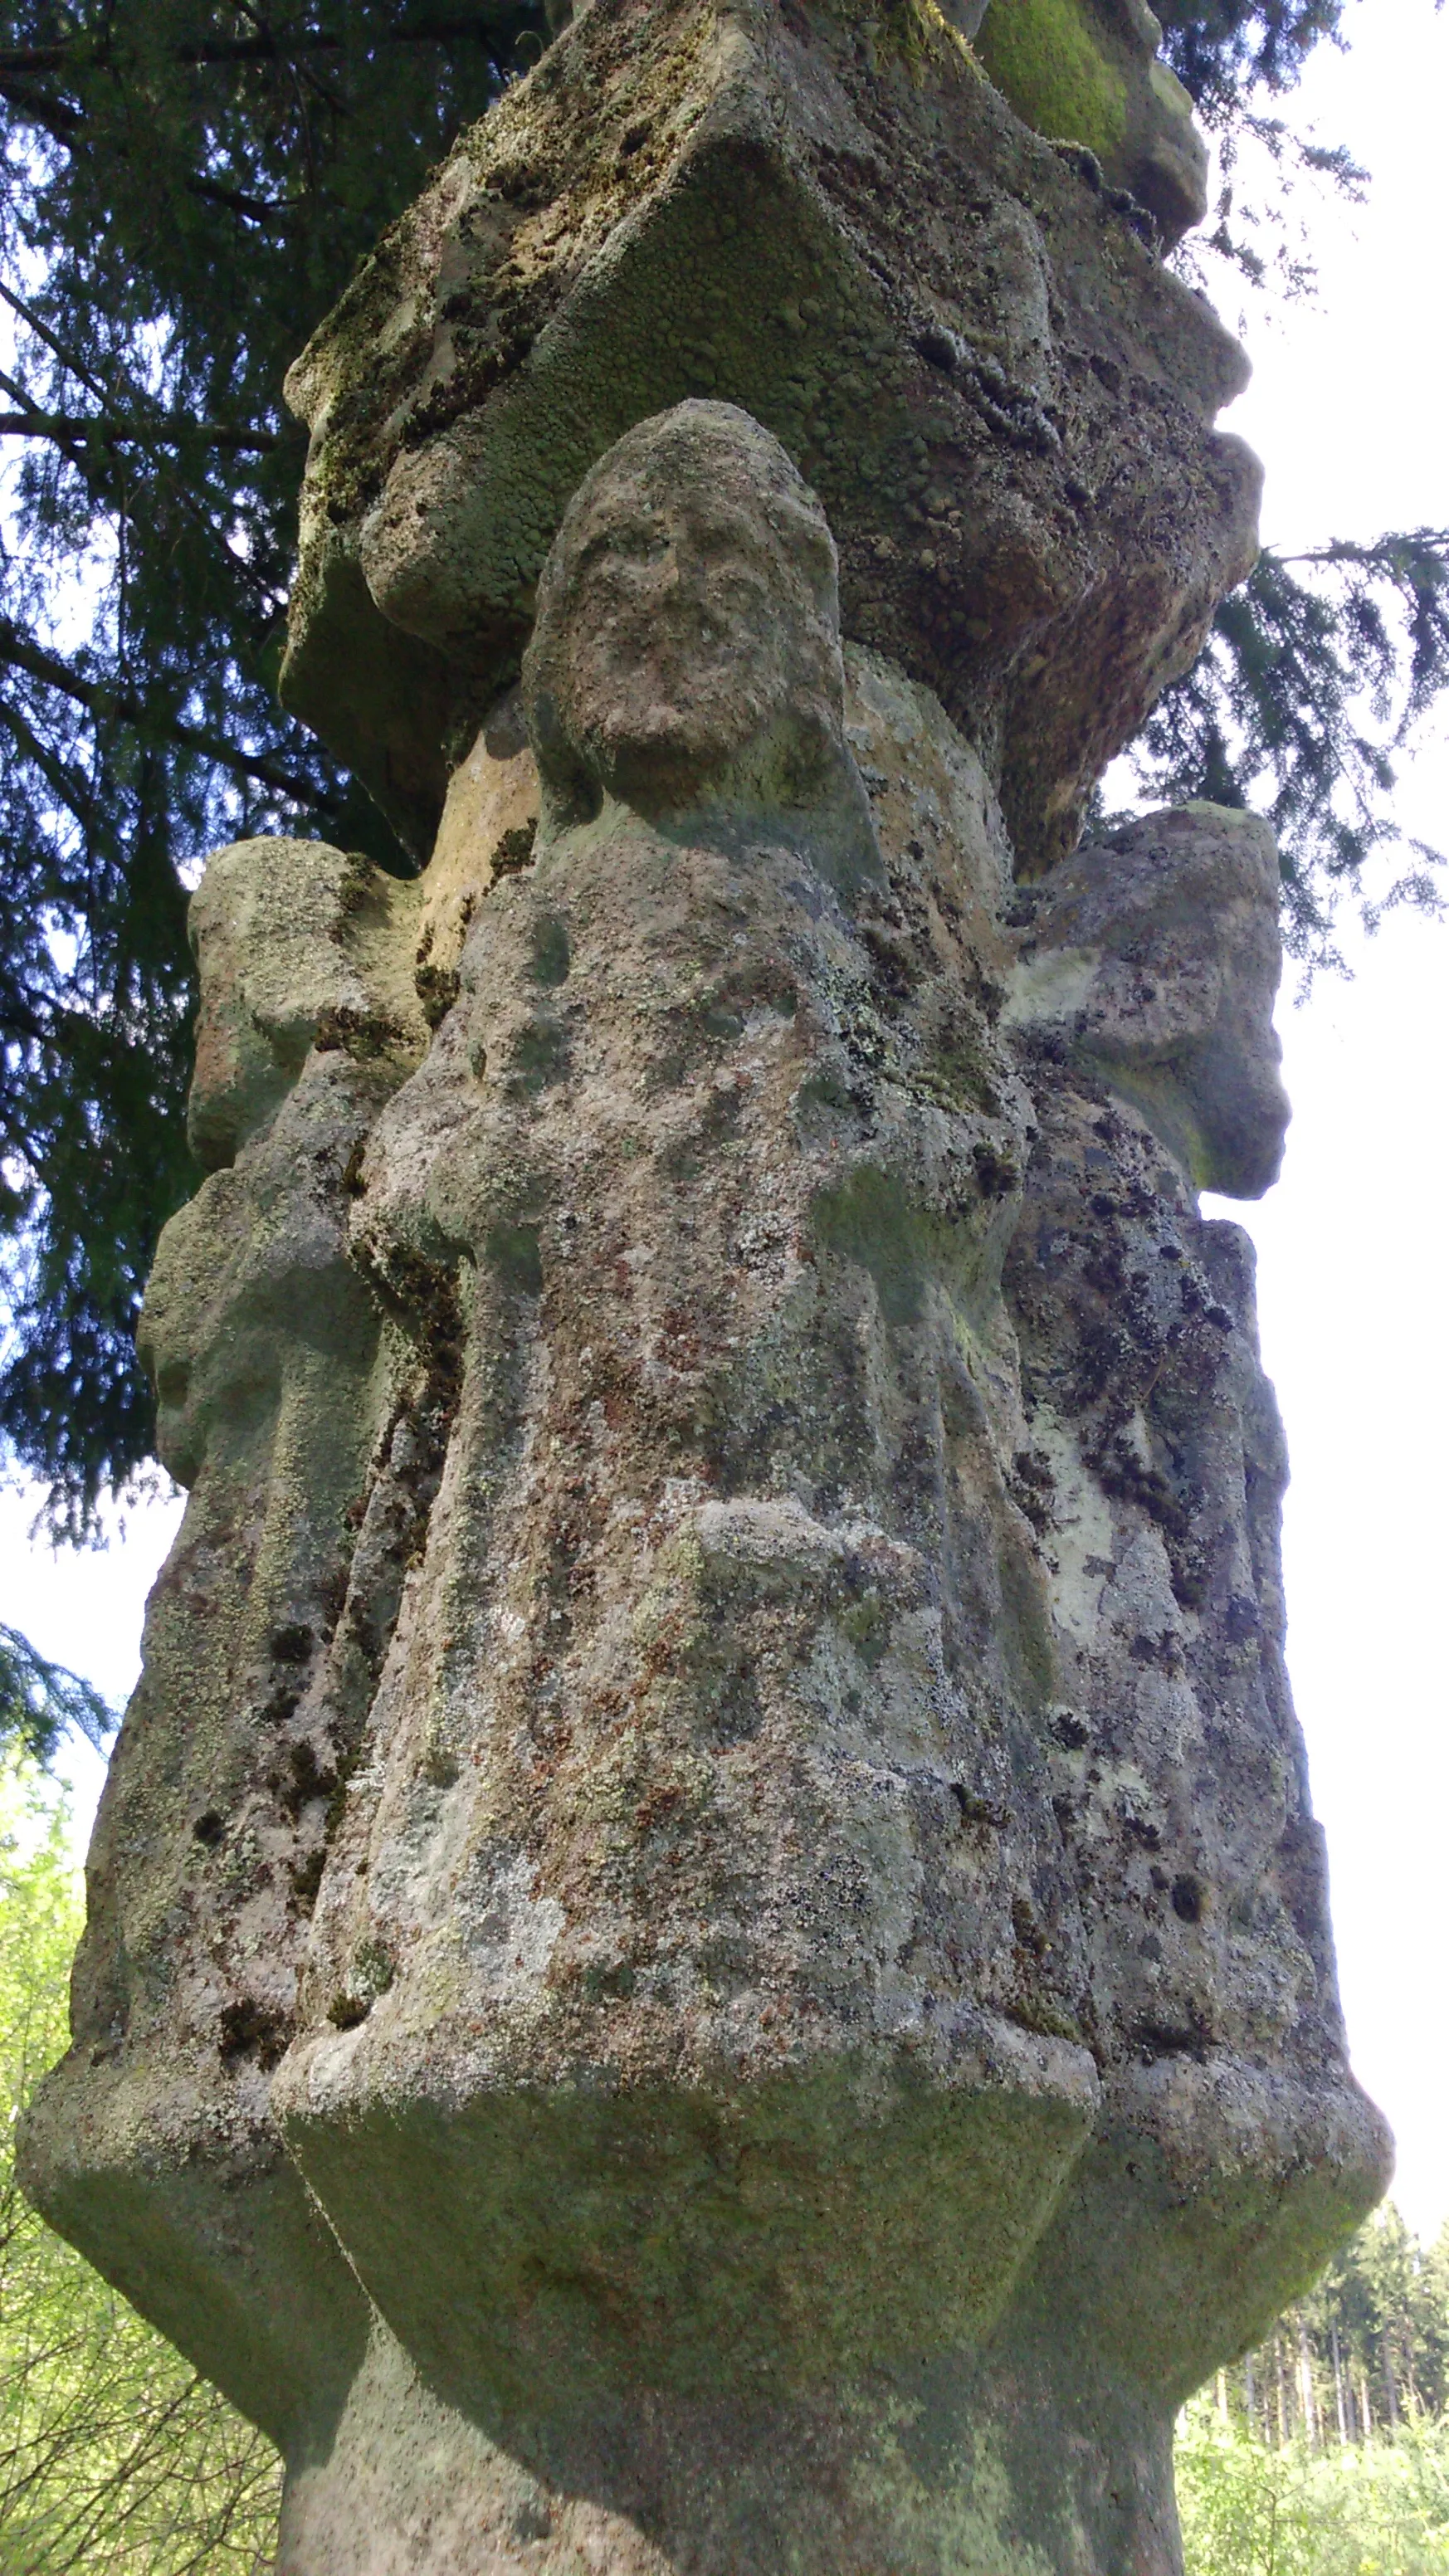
point(1237, 59)
point(114, 2454)
point(1229, 51)
point(1316, 679)
point(41, 1702)
point(1323, 671)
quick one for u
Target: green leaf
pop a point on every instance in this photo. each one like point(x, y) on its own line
point(114, 2454)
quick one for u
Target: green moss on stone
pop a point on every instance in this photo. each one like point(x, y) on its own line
point(1046, 57)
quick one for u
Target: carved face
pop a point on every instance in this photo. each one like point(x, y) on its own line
point(1157, 955)
point(688, 613)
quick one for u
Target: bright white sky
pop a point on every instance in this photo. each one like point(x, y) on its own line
point(1347, 408)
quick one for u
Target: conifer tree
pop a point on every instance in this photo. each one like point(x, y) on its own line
point(187, 186)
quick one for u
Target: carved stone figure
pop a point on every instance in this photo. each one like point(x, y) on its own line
point(728, 1617)
point(1230, 2132)
point(276, 1382)
point(714, 1789)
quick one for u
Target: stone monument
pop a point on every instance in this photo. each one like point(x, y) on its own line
point(707, 1949)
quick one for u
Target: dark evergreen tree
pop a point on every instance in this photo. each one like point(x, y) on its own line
point(1320, 671)
point(1364, 2353)
point(1229, 54)
point(187, 186)
point(1315, 679)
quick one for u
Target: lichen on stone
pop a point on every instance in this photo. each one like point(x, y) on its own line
point(707, 1948)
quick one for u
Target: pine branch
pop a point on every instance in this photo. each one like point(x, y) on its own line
point(124, 706)
point(1390, 554)
point(70, 432)
point(67, 786)
point(1305, 695)
point(66, 121)
point(54, 116)
point(66, 427)
point(477, 26)
point(74, 366)
point(41, 1701)
point(257, 210)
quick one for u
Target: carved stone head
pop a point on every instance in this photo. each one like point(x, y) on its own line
point(1156, 956)
point(688, 620)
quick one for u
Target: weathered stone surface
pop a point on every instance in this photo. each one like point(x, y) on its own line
point(1087, 71)
point(707, 1947)
point(657, 1899)
point(1230, 2135)
point(834, 1824)
point(832, 218)
point(924, 2469)
point(1154, 958)
point(818, 2022)
point(153, 2146)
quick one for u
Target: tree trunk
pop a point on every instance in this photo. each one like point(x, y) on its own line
point(1307, 2394)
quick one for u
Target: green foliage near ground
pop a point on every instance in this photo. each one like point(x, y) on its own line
point(1379, 2509)
point(114, 2453)
point(1326, 2451)
point(1363, 2355)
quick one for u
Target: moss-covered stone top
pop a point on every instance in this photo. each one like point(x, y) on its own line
point(1087, 71)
